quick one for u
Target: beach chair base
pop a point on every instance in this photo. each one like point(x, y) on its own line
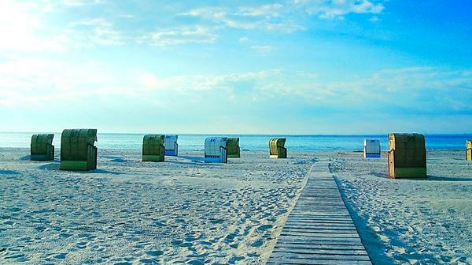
point(74, 165)
point(153, 158)
point(171, 153)
point(409, 173)
point(371, 155)
point(215, 160)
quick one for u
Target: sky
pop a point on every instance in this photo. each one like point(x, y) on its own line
point(239, 67)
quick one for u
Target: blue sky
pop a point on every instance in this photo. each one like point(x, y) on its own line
point(295, 66)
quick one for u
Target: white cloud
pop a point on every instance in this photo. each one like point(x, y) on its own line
point(244, 40)
point(338, 8)
point(19, 25)
point(247, 18)
point(273, 10)
point(93, 32)
point(262, 48)
point(182, 35)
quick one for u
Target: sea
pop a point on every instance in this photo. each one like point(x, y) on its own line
point(195, 142)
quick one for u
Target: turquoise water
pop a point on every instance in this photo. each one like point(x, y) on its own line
point(249, 142)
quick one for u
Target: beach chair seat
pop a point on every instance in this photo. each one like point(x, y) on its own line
point(215, 150)
point(153, 148)
point(78, 151)
point(407, 155)
point(171, 146)
point(232, 147)
point(277, 148)
point(41, 147)
point(371, 148)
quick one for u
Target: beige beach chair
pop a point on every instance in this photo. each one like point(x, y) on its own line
point(277, 149)
point(407, 155)
point(468, 145)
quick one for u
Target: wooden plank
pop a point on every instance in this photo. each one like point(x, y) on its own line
point(320, 246)
point(293, 261)
point(319, 229)
point(320, 240)
point(318, 256)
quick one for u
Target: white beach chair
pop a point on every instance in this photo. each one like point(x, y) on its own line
point(215, 149)
point(171, 146)
point(371, 148)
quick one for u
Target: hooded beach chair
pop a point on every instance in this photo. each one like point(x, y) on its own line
point(171, 146)
point(232, 148)
point(153, 148)
point(215, 149)
point(41, 147)
point(371, 148)
point(277, 149)
point(78, 151)
point(468, 145)
point(407, 155)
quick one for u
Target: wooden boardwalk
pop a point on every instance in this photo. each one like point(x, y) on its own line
point(319, 230)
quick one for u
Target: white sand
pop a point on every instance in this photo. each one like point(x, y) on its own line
point(130, 212)
point(186, 212)
point(411, 221)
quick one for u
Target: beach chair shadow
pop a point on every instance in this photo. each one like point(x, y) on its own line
point(26, 157)
point(8, 172)
point(102, 171)
point(50, 166)
point(112, 158)
point(437, 178)
point(195, 159)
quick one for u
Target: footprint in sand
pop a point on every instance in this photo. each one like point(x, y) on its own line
point(154, 253)
point(81, 245)
point(257, 243)
point(17, 258)
point(148, 261)
point(60, 256)
point(196, 262)
point(264, 228)
point(235, 259)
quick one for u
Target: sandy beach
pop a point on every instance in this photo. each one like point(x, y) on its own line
point(410, 221)
point(184, 211)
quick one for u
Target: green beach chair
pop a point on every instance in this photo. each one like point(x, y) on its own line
point(407, 155)
point(153, 148)
point(78, 151)
point(277, 149)
point(41, 147)
point(232, 148)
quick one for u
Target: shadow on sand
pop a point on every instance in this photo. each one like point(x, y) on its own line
point(8, 172)
point(429, 178)
point(50, 166)
point(369, 237)
point(27, 157)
